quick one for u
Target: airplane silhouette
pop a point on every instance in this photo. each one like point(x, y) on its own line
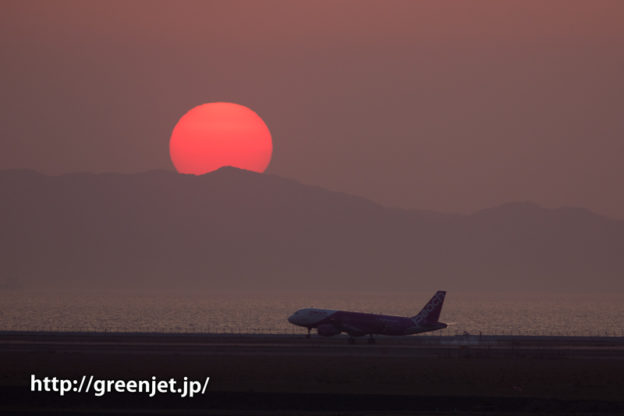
point(331, 322)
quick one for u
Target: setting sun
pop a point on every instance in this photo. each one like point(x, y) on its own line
point(214, 135)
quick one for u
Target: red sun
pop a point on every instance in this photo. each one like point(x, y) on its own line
point(214, 135)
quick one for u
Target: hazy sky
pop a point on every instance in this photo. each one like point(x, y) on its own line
point(451, 106)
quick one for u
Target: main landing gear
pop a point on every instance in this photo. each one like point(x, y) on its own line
point(308, 336)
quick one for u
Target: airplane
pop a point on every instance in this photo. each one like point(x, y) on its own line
point(331, 322)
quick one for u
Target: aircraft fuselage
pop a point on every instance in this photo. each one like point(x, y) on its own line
point(332, 322)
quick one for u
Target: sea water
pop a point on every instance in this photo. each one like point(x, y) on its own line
point(204, 312)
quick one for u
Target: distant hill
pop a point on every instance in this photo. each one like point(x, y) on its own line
point(234, 229)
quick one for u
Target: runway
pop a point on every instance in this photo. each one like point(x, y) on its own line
point(265, 374)
point(424, 346)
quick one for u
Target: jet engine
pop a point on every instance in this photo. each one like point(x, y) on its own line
point(327, 330)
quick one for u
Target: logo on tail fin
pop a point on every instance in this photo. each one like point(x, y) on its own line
point(431, 312)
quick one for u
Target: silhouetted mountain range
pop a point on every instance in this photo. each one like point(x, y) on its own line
point(234, 229)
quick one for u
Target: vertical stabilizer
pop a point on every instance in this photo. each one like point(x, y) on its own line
point(431, 312)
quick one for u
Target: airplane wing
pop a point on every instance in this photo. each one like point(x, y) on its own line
point(349, 328)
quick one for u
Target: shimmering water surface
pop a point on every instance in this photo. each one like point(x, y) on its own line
point(520, 314)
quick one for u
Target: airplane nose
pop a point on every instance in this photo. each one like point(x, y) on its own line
point(291, 319)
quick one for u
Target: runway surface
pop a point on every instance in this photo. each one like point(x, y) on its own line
point(291, 374)
point(298, 345)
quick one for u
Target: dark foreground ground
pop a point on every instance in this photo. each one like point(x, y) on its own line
point(273, 374)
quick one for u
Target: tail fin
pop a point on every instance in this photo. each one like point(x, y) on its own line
point(431, 312)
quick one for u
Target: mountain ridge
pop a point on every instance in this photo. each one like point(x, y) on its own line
point(505, 205)
point(233, 228)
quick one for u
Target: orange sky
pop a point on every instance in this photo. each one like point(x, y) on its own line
point(451, 106)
